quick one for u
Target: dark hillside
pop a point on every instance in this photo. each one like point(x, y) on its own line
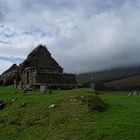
point(128, 83)
point(106, 76)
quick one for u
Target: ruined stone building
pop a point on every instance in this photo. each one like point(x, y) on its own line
point(39, 69)
point(7, 77)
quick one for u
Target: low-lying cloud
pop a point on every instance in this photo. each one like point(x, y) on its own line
point(82, 35)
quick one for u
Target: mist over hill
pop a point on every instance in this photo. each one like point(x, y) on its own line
point(119, 79)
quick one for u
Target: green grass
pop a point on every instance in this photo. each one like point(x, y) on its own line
point(68, 120)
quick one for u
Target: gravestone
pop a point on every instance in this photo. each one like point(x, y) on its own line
point(92, 86)
point(43, 89)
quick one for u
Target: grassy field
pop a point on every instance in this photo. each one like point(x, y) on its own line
point(67, 120)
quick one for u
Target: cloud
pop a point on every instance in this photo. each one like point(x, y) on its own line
point(82, 35)
point(11, 59)
point(4, 65)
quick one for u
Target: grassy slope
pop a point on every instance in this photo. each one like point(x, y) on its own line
point(67, 120)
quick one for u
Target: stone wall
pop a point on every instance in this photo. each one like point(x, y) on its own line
point(32, 77)
point(28, 77)
point(8, 78)
point(55, 78)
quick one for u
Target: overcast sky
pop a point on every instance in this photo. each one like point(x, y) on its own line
point(82, 35)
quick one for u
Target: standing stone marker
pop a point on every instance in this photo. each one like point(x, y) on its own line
point(43, 89)
point(92, 84)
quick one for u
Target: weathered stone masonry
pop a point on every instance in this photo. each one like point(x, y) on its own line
point(40, 69)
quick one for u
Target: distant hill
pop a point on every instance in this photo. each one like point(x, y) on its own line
point(110, 79)
point(129, 83)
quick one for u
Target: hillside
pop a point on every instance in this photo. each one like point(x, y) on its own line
point(103, 77)
point(30, 117)
point(132, 82)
